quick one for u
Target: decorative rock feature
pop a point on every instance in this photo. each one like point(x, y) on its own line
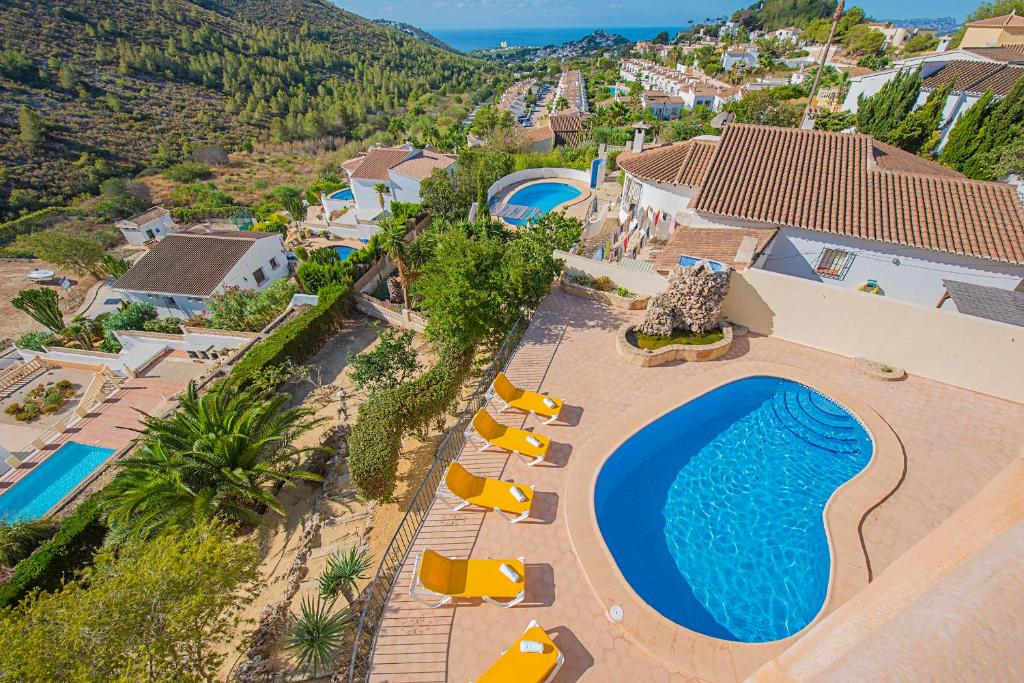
point(693, 353)
point(692, 301)
point(628, 303)
point(880, 371)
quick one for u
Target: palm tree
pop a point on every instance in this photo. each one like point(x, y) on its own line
point(382, 189)
point(211, 458)
point(19, 538)
point(317, 636)
point(391, 240)
point(343, 570)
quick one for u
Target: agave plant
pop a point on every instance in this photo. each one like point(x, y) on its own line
point(211, 458)
point(342, 572)
point(317, 636)
point(20, 537)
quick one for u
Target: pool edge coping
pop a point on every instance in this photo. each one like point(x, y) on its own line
point(675, 645)
point(586, 193)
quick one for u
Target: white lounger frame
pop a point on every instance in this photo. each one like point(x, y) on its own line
point(485, 444)
point(431, 599)
point(559, 661)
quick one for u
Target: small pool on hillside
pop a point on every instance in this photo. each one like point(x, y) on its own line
point(33, 496)
point(544, 196)
point(714, 512)
point(343, 252)
point(689, 261)
point(617, 90)
point(342, 195)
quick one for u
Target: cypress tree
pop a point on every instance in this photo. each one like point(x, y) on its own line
point(882, 113)
point(920, 127)
point(962, 142)
point(31, 129)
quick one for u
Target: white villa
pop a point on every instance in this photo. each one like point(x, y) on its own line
point(662, 105)
point(972, 72)
point(837, 208)
point(688, 83)
point(184, 269)
point(152, 224)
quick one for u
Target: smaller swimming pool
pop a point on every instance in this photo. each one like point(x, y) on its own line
point(689, 261)
point(342, 195)
point(343, 252)
point(617, 90)
point(66, 468)
point(543, 196)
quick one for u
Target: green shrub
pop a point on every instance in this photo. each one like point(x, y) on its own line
point(188, 172)
point(603, 284)
point(80, 534)
point(35, 341)
point(623, 292)
point(315, 276)
point(389, 414)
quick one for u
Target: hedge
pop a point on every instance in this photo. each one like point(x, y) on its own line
point(29, 222)
point(387, 415)
point(80, 534)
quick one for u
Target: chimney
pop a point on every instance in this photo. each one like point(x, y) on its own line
point(640, 133)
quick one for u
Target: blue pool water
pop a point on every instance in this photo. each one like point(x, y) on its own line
point(45, 485)
point(616, 90)
point(343, 252)
point(692, 261)
point(544, 196)
point(345, 194)
point(713, 512)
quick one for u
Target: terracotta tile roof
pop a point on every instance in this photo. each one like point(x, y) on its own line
point(187, 264)
point(150, 214)
point(1011, 19)
point(831, 182)
point(538, 133)
point(567, 122)
point(681, 163)
point(661, 97)
point(375, 164)
point(717, 244)
point(975, 77)
point(1008, 54)
point(423, 164)
point(889, 158)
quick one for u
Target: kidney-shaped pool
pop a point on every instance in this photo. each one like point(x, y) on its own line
point(714, 512)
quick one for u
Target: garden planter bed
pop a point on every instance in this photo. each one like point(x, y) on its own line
point(880, 371)
point(634, 355)
point(634, 303)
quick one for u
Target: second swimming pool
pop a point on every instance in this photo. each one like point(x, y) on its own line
point(543, 196)
point(33, 495)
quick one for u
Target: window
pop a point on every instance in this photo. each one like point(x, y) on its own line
point(259, 276)
point(273, 264)
point(833, 263)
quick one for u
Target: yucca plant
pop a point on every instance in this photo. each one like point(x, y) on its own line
point(343, 570)
point(20, 537)
point(317, 636)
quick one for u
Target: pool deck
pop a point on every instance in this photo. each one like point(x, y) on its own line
point(954, 442)
point(575, 208)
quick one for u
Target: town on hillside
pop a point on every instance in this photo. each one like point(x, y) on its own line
point(330, 351)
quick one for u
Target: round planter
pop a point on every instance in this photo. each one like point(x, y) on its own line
point(625, 302)
point(694, 353)
point(877, 370)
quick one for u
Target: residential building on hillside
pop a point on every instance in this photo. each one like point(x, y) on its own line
point(729, 29)
point(180, 272)
point(790, 33)
point(572, 87)
point(661, 105)
point(895, 36)
point(1002, 31)
point(838, 208)
point(688, 83)
point(746, 58)
point(971, 79)
point(568, 128)
point(513, 100)
point(399, 169)
point(152, 224)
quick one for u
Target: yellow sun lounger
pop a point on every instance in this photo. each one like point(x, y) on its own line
point(440, 579)
point(531, 448)
point(466, 488)
point(516, 666)
point(508, 395)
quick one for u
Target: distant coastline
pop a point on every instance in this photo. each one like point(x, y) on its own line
point(466, 39)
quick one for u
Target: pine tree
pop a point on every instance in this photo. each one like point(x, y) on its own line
point(32, 132)
point(963, 139)
point(882, 113)
point(919, 127)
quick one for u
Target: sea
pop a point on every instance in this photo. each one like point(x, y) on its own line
point(466, 39)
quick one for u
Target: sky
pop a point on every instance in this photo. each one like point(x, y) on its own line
point(562, 13)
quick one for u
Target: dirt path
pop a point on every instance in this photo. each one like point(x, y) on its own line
point(14, 323)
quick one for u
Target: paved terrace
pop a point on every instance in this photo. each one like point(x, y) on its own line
point(955, 442)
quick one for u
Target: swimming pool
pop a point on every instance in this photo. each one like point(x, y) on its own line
point(343, 252)
point(689, 261)
point(543, 196)
point(35, 494)
point(714, 512)
point(342, 195)
point(616, 90)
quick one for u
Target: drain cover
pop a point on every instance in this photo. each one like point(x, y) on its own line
point(615, 613)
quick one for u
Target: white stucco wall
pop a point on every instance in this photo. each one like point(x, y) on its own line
point(160, 227)
point(670, 199)
point(404, 188)
point(365, 193)
point(904, 273)
point(258, 256)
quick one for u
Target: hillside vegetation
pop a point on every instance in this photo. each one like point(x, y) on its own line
point(95, 88)
point(770, 15)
